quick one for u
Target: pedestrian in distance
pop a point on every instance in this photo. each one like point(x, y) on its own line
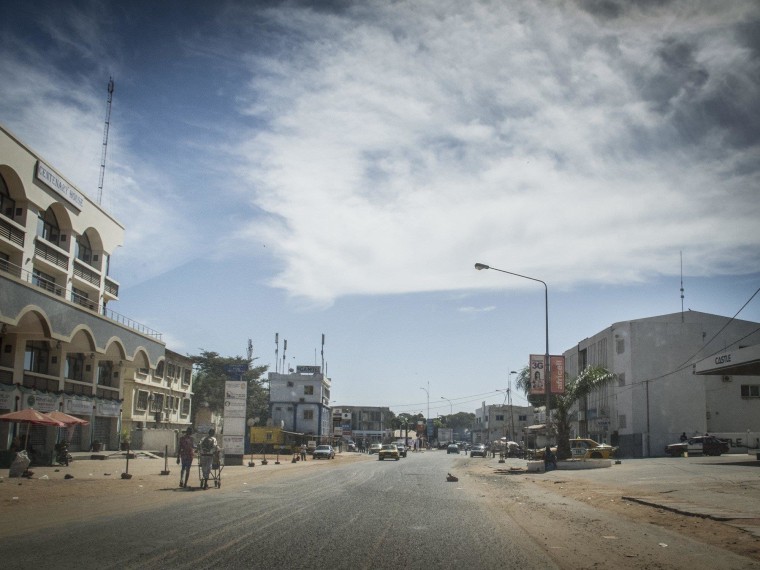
point(550, 460)
point(185, 453)
point(303, 452)
point(209, 447)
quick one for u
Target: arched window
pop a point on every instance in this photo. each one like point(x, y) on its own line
point(47, 227)
point(7, 204)
point(83, 249)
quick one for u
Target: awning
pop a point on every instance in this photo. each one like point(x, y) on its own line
point(536, 427)
point(740, 362)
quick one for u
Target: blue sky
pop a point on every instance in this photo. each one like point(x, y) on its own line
point(337, 168)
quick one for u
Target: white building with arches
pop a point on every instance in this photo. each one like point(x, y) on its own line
point(62, 347)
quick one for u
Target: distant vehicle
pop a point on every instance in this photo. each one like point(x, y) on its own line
point(589, 449)
point(324, 452)
point(698, 445)
point(374, 448)
point(452, 448)
point(351, 446)
point(478, 449)
point(388, 451)
point(401, 449)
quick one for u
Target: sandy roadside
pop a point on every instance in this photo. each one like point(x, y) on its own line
point(97, 487)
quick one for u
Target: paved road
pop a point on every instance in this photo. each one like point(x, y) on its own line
point(368, 514)
point(363, 513)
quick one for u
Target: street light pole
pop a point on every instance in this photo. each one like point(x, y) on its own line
point(547, 360)
point(427, 418)
point(451, 406)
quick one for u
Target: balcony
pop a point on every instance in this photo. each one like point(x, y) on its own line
point(11, 233)
point(83, 272)
point(51, 254)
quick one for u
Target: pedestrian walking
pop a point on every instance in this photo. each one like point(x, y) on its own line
point(209, 447)
point(303, 452)
point(185, 453)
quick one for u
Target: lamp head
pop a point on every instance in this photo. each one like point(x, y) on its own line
point(480, 266)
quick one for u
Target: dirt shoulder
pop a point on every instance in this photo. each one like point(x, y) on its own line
point(97, 488)
point(609, 498)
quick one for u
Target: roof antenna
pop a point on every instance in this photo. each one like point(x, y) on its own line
point(105, 140)
point(681, 252)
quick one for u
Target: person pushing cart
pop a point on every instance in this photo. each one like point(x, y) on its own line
point(211, 462)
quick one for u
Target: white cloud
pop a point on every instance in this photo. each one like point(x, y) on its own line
point(407, 146)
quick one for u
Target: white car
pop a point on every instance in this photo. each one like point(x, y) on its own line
point(324, 452)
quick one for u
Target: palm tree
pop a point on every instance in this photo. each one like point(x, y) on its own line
point(590, 379)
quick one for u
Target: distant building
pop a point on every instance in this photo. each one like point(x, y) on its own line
point(656, 395)
point(300, 402)
point(494, 421)
point(363, 424)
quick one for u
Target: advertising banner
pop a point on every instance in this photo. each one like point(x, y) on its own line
point(233, 444)
point(235, 395)
point(558, 374)
point(537, 373)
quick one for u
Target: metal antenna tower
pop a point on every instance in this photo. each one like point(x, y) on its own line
point(105, 140)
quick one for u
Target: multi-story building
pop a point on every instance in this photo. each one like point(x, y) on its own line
point(159, 398)
point(656, 395)
point(62, 347)
point(300, 402)
point(363, 424)
point(494, 421)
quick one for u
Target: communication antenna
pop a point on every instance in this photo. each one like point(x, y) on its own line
point(105, 140)
point(250, 353)
point(323, 353)
point(681, 285)
point(276, 352)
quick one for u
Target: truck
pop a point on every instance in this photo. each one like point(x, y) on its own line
point(445, 436)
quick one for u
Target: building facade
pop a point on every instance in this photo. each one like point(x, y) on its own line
point(363, 424)
point(656, 395)
point(61, 345)
point(494, 421)
point(300, 402)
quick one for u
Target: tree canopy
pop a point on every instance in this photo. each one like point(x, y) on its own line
point(211, 374)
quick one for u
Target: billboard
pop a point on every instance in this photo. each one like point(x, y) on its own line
point(538, 374)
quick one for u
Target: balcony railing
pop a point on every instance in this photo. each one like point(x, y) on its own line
point(29, 277)
point(85, 274)
point(11, 233)
point(50, 255)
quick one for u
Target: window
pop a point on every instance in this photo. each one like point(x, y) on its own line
point(74, 366)
point(621, 421)
point(621, 379)
point(83, 250)
point(158, 403)
point(7, 204)
point(185, 406)
point(522, 418)
point(308, 390)
point(186, 376)
point(499, 417)
point(160, 370)
point(308, 414)
point(750, 391)
point(36, 356)
point(142, 400)
point(620, 345)
point(170, 371)
point(105, 374)
point(43, 280)
point(47, 227)
point(81, 298)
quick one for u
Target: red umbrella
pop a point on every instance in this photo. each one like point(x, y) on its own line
point(30, 417)
point(67, 419)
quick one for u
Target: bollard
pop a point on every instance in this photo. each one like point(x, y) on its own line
point(166, 459)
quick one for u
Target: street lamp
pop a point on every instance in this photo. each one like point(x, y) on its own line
point(451, 406)
point(547, 364)
point(427, 418)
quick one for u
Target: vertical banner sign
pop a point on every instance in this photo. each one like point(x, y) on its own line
point(235, 397)
point(558, 374)
point(537, 374)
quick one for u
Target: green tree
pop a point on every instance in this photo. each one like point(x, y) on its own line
point(590, 379)
point(210, 376)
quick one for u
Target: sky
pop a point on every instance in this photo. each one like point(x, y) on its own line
point(337, 168)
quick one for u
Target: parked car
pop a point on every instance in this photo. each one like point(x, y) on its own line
point(324, 452)
point(698, 445)
point(401, 449)
point(388, 451)
point(590, 449)
point(478, 449)
point(452, 448)
point(374, 448)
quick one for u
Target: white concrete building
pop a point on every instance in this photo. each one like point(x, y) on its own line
point(61, 345)
point(494, 421)
point(657, 396)
point(300, 402)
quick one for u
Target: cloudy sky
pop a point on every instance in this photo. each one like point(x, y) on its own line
point(337, 167)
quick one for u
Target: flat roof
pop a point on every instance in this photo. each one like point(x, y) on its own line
point(738, 362)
